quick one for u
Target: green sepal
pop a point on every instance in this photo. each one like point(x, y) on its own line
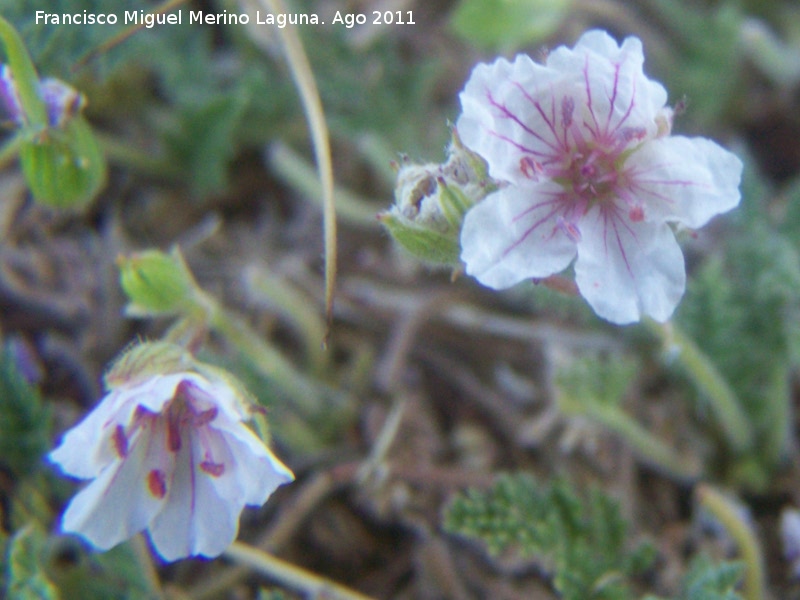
point(157, 283)
point(426, 244)
point(143, 360)
point(454, 204)
point(64, 167)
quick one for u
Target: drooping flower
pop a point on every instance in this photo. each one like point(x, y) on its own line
point(583, 143)
point(168, 453)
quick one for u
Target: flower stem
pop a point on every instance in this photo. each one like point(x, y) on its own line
point(309, 584)
point(149, 571)
point(725, 512)
point(270, 289)
point(266, 359)
point(644, 443)
point(727, 409)
point(299, 174)
point(312, 105)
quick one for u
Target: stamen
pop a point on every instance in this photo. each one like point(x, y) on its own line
point(636, 213)
point(570, 229)
point(530, 168)
point(157, 483)
point(212, 468)
point(173, 433)
point(120, 441)
point(567, 108)
point(205, 417)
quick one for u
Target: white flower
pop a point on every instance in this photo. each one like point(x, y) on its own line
point(583, 143)
point(168, 454)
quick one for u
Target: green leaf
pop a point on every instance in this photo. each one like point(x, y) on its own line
point(24, 419)
point(26, 579)
point(707, 580)
point(508, 24)
point(204, 143)
point(583, 542)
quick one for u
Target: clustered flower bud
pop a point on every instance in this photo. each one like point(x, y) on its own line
point(431, 201)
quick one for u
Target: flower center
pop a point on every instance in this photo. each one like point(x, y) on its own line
point(592, 175)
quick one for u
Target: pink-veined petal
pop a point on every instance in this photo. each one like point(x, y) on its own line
point(685, 180)
point(500, 120)
point(626, 270)
point(120, 502)
point(616, 92)
point(259, 471)
point(195, 520)
point(514, 235)
point(88, 447)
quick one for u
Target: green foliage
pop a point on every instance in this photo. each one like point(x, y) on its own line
point(25, 577)
point(704, 62)
point(707, 580)
point(112, 575)
point(583, 542)
point(24, 419)
point(508, 24)
point(595, 379)
point(741, 309)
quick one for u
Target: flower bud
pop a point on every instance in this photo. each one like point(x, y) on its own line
point(60, 157)
point(431, 201)
point(156, 283)
point(63, 166)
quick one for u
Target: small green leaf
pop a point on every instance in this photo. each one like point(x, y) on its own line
point(707, 580)
point(24, 419)
point(508, 24)
point(583, 542)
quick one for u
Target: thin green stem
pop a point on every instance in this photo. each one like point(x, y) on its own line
point(726, 513)
point(644, 444)
point(128, 156)
point(306, 582)
point(149, 570)
point(778, 414)
point(281, 296)
point(312, 105)
point(269, 362)
point(298, 174)
point(726, 406)
point(25, 76)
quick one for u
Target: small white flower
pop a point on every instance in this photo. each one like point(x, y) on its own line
point(583, 142)
point(169, 454)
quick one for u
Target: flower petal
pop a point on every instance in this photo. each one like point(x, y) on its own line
point(617, 94)
point(195, 519)
point(688, 180)
point(626, 270)
point(88, 447)
point(119, 503)
point(514, 235)
point(500, 120)
point(257, 469)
